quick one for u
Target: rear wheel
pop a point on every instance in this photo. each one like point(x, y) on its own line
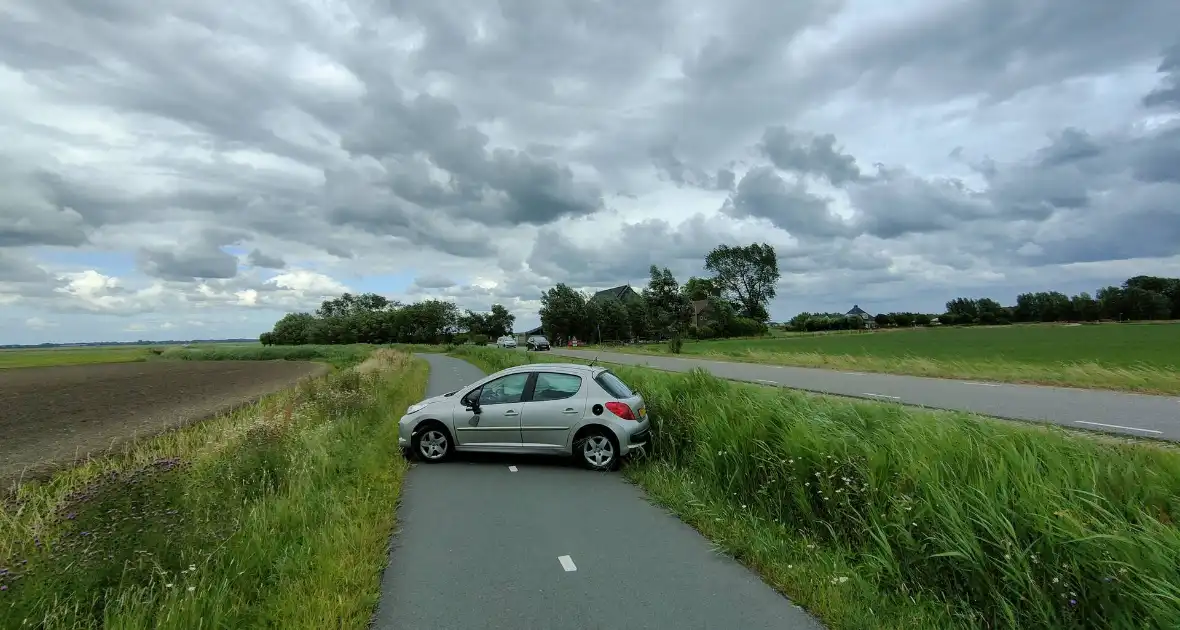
point(432, 444)
point(597, 450)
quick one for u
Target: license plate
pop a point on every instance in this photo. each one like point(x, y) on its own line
point(643, 412)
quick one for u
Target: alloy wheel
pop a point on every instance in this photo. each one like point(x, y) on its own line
point(433, 444)
point(598, 451)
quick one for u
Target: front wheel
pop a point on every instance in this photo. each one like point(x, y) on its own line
point(597, 451)
point(432, 444)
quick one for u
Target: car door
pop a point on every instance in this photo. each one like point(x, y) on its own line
point(558, 402)
point(498, 422)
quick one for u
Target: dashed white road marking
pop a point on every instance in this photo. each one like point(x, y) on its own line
point(762, 380)
point(512, 468)
point(567, 563)
point(881, 396)
point(983, 384)
point(1118, 426)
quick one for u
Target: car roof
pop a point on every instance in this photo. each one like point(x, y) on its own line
point(538, 367)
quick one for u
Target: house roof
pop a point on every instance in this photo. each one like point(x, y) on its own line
point(617, 293)
point(857, 310)
point(699, 306)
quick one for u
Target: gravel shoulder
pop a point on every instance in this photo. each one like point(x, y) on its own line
point(53, 416)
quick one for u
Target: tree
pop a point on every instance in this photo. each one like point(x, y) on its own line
point(668, 308)
point(746, 275)
point(637, 319)
point(499, 322)
point(563, 312)
point(701, 288)
point(613, 322)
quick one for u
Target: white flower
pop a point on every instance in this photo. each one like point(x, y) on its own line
point(168, 586)
point(192, 588)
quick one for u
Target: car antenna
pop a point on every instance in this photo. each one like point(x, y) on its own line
point(594, 361)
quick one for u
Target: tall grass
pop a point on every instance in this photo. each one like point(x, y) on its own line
point(1004, 524)
point(277, 515)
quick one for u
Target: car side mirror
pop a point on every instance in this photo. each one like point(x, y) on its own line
point(473, 407)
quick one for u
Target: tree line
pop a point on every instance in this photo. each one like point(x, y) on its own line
point(372, 318)
point(732, 302)
point(1138, 299)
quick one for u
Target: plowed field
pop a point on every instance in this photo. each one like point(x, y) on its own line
point(57, 415)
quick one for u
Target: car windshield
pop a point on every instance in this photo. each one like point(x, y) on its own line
point(614, 385)
point(540, 340)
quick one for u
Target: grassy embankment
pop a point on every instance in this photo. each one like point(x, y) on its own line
point(277, 515)
point(1128, 357)
point(44, 357)
point(880, 516)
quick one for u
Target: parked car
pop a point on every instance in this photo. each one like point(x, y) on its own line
point(537, 342)
point(506, 342)
point(577, 410)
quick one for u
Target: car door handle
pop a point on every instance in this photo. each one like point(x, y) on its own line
point(511, 413)
point(570, 411)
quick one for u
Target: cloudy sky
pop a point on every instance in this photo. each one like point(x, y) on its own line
point(194, 169)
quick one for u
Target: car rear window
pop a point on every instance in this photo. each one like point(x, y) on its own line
point(614, 385)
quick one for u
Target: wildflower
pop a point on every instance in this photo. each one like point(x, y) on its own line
point(790, 566)
point(192, 588)
point(1056, 580)
point(1073, 602)
point(3, 587)
point(192, 567)
point(1007, 556)
point(168, 585)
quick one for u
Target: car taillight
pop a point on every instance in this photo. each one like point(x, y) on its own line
point(621, 410)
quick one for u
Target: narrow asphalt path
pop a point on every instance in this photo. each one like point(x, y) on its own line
point(1129, 414)
point(553, 546)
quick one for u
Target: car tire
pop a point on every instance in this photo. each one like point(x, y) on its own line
point(432, 443)
point(597, 449)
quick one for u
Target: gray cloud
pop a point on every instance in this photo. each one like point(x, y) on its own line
point(763, 194)
point(812, 155)
point(1168, 93)
point(432, 281)
point(258, 259)
point(188, 264)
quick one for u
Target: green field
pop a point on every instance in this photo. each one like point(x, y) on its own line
point(1132, 357)
point(876, 516)
point(42, 357)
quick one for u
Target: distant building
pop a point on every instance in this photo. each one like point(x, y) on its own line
point(700, 308)
point(623, 293)
point(857, 311)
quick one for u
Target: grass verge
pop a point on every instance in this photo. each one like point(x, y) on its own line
point(277, 515)
point(881, 516)
point(1122, 357)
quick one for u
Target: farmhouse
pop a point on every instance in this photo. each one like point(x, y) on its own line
point(857, 311)
point(700, 308)
point(622, 293)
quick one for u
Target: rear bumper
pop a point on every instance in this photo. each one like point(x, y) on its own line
point(635, 437)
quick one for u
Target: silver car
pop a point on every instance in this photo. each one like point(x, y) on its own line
point(559, 408)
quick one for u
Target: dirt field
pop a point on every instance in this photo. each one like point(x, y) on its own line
point(56, 415)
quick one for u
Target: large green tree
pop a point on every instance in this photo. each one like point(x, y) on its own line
point(747, 276)
point(668, 308)
point(563, 313)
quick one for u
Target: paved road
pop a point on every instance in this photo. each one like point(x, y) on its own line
point(1130, 414)
point(552, 546)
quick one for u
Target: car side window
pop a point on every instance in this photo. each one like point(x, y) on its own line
point(554, 386)
point(504, 390)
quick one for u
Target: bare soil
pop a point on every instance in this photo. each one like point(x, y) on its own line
point(53, 416)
